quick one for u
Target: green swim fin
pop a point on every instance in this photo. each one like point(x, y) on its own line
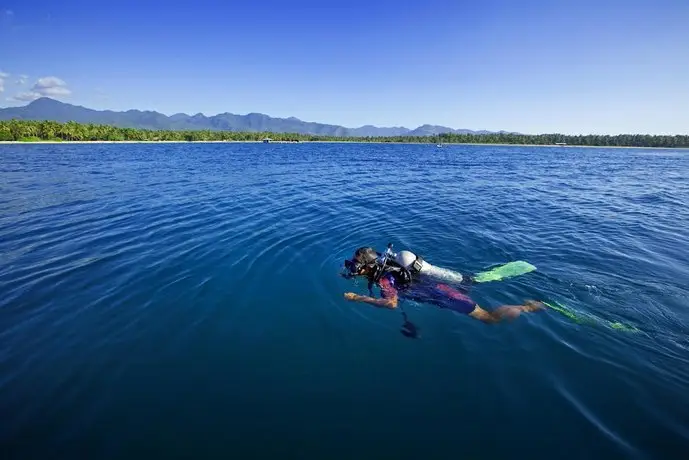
point(588, 319)
point(623, 327)
point(508, 270)
point(558, 307)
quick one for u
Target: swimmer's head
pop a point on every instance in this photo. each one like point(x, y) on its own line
point(365, 255)
point(362, 262)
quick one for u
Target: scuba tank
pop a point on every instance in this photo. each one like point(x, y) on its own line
point(415, 264)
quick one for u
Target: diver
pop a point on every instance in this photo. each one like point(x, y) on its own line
point(406, 275)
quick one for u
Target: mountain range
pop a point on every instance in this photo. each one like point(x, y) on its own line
point(50, 109)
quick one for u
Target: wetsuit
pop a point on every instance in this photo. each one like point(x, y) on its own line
point(425, 290)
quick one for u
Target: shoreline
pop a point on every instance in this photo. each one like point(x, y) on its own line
point(340, 142)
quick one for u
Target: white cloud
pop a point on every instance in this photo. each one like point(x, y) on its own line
point(49, 82)
point(4, 74)
point(44, 87)
point(54, 91)
point(22, 79)
point(51, 87)
point(27, 96)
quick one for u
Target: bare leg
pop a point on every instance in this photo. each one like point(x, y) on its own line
point(505, 312)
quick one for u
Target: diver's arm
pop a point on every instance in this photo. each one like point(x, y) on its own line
point(384, 303)
point(389, 299)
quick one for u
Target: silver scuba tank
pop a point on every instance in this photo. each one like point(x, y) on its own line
point(416, 264)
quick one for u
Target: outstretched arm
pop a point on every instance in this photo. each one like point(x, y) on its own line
point(384, 303)
point(389, 299)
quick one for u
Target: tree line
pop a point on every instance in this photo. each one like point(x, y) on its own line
point(29, 130)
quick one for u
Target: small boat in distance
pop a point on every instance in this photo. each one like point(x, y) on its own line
point(267, 140)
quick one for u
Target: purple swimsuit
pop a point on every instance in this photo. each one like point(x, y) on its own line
point(427, 291)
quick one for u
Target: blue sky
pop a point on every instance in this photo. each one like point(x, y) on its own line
point(605, 66)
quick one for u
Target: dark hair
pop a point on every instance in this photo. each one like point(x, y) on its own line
point(365, 255)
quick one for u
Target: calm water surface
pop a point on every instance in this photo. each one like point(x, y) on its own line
point(173, 300)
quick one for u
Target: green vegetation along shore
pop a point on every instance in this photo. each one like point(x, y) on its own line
point(28, 131)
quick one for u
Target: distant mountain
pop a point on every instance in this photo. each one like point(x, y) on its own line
point(430, 130)
point(50, 109)
point(374, 131)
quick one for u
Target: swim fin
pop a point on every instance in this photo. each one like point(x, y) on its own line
point(623, 327)
point(557, 306)
point(589, 319)
point(508, 270)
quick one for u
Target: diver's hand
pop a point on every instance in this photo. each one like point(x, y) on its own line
point(350, 296)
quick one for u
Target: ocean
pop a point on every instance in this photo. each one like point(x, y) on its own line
point(184, 301)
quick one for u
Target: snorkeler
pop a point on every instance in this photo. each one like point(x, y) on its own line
point(405, 275)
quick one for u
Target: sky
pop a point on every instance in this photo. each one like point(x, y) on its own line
point(574, 67)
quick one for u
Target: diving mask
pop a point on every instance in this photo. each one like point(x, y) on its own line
point(352, 268)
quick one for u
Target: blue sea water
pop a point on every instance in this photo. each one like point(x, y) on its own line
point(183, 301)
